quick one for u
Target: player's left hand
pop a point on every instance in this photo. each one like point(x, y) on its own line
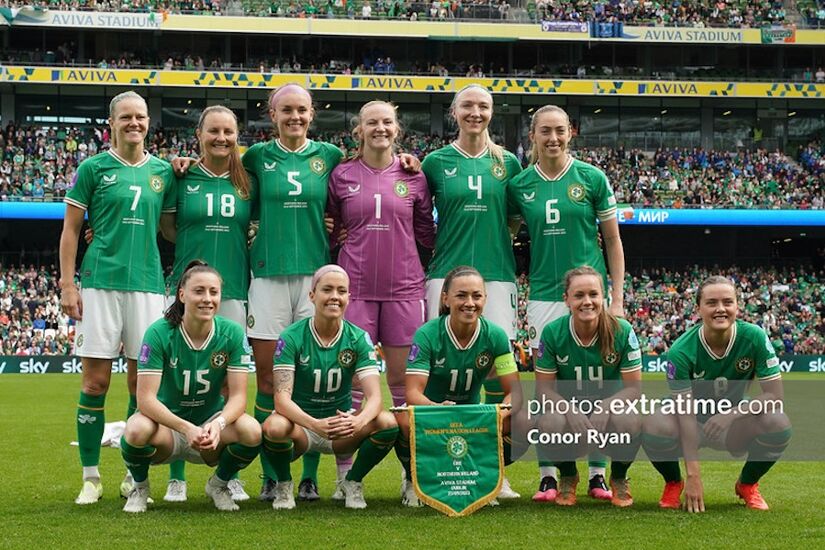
point(410, 163)
point(181, 165)
point(616, 309)
point(88, 235)
point(210, 437)
point(329, 224)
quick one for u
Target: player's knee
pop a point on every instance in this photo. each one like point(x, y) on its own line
point(95, 385)
point(277, 427)
point(660, 425)
point(774, 422)
point(139, 429)
point(385, 420)
point(552, 423)
point(249, 431)
point(626, 423)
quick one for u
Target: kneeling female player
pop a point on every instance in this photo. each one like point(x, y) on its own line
point(184, 359)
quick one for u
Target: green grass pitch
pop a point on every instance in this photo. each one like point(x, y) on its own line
point(41, 477)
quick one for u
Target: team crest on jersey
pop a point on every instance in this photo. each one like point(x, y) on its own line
point(156, 183)
point(401, 188)
point(219, 359)
point(250, 321)
point(576, 192)
point(80, 341)
point(317, 165)
point(498, 170)
point(611, 358)
point(346, 358)
point(532, 332)
point(457, 447)
point(744, 364)
point(484, 360)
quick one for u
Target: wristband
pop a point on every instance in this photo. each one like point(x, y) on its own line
point(221, 422)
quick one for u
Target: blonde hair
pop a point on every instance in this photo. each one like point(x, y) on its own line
point(130, 94)
point(496, 150)
point(534, 149)
point(608, 323)
point(237, 173)
point(358, 132)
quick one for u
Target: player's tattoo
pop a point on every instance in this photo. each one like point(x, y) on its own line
point(283, 380)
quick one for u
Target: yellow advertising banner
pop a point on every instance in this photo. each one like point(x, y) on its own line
point(401, 83)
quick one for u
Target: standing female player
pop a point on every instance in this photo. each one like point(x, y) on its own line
point(316, 360)
point(385, 211)
point(212, 219)
point(716, 360)
point(452, 355)
point(560, 200)
point(291, 172)
point(124, 191)
point(468, 181)
point(184, 361)
point(591, 355)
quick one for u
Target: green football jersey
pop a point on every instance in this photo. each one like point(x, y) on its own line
point(291, 197)
point(455, 373)
point(124, 203)
point(323, 374)
point(561, 219)
point(192, 378)
point(749, 356)
point(562, 353)
point(470, 196)
point(212, 221)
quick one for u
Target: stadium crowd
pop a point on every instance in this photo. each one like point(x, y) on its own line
point(38, 163)
point(695, 13)
point(788, 303)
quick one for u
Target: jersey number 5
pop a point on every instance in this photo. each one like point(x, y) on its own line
point(290, 177)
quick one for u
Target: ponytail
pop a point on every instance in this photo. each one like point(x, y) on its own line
point(608, 324)
point(174, 313)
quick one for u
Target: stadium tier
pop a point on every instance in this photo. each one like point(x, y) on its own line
point(739, 13)
point(788, 303)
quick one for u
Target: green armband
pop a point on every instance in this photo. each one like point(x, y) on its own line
point(505, 364)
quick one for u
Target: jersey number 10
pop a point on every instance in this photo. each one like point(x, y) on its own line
point(333, 380)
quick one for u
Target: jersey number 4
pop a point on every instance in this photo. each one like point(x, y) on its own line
point(475, 186)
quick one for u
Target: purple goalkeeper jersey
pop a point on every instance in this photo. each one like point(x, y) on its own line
point(384, 213)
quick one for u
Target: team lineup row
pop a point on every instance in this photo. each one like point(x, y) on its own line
point(380, 207)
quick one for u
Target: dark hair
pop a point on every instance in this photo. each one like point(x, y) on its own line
point(608, 324)
point(174, 313)
point(455, 273)
point(714, 280)
point(237, 173)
